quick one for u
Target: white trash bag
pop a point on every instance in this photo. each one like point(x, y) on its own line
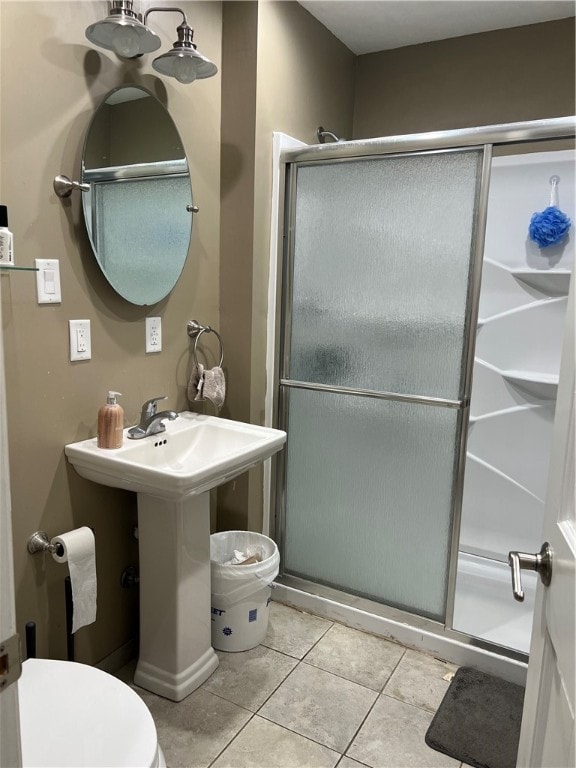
point(243, 566)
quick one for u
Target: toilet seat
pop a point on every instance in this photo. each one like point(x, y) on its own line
point(73, 715)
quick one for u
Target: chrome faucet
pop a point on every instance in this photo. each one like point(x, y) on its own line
point(151, 422)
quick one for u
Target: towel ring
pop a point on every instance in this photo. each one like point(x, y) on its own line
point(195, 330)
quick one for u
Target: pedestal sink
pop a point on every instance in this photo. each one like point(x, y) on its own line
point(172, 473)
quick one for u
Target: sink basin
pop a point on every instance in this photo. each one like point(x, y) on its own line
point(194, 454)
point(172, 473)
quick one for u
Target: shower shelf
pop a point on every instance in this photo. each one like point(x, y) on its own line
point(543, 385)
point(554, 281)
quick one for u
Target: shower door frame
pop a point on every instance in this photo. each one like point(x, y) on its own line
point(485, 137)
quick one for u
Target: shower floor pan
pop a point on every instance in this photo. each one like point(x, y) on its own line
point(485, 607)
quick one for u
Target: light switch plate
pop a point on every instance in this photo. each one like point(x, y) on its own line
point(153, 334)
point(80, 341)
point(48, 281)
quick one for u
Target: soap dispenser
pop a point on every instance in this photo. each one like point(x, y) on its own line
point(111, 423)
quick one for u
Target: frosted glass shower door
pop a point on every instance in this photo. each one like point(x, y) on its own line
point(379, 301)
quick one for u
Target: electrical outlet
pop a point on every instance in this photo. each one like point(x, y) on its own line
point(80, 341)
point(153, 334)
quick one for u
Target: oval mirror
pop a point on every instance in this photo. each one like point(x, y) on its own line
point(138, 208)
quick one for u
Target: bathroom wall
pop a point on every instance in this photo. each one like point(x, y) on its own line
point(304, 78)
point(49, 90)
point(282, 71)
point(523, 73)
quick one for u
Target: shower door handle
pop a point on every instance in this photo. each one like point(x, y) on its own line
point(541, 563)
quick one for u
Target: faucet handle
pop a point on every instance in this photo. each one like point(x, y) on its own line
point(149, 407)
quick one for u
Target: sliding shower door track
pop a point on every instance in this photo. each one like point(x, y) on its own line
point(333, 604)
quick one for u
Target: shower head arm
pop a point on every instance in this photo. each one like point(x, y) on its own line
point(322, 135)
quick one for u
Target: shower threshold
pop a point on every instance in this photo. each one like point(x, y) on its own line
point(413, 631)
point(484, 607)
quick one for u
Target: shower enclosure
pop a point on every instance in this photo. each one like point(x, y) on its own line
point(383, 247)
point(523, 301)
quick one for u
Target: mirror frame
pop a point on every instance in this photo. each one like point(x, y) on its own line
point(137, 279)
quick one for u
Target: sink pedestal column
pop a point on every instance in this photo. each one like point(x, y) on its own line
point(176, 654)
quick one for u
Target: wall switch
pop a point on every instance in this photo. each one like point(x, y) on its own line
point(153, 334)
point(80, 341)
point(48, 281)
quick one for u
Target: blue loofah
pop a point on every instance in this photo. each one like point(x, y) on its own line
point(551, 225)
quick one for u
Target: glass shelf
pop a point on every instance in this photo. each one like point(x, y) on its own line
point(12, 268)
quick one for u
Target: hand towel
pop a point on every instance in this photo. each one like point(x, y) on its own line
point(213, 386)
point(195, 382)
point(207, 384)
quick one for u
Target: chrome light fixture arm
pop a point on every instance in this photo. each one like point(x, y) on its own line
point(184, 62)
point(166, 9)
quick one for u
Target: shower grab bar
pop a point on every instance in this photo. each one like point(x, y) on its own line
point(418, 399)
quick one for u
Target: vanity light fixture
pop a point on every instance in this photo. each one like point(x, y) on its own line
point(122, 31)
point(125, 32)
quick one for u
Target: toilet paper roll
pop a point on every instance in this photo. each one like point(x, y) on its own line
point(79, 552)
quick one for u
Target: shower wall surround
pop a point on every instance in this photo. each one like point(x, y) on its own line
point(517, 361)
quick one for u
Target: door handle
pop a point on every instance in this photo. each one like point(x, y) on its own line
point(541, 563)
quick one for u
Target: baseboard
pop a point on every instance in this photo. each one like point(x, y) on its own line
point(120, 657)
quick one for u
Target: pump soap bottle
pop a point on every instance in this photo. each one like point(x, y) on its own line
point(111, 423)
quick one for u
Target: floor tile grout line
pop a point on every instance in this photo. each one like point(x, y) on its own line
point(297, 733)
point(228, 701)
point(289, 655)
point(393, 671)
point(314, 644)
point(255, 712)
point(252, 716)
point(342, 754)
point(357, 731)
point(377, 691)
point(299, 662)
point(409, 703)
point(322, 636)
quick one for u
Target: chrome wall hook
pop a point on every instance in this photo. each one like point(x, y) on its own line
point(63, 186)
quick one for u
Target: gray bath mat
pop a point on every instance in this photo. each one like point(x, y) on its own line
point(478, 721)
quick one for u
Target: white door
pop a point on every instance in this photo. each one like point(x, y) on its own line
point(547, 735)
point(9, 716)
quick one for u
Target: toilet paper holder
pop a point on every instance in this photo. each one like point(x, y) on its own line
point(39, 542)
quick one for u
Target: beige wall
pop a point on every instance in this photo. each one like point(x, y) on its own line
point(304, 78)
point(239, 62)
point(524, 73)
point(49, 90)
point(283, 71)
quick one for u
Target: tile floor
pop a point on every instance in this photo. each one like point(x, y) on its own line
point(315, 694)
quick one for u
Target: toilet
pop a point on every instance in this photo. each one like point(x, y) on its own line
point(76, 716)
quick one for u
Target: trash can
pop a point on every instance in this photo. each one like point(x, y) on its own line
point(241, 593)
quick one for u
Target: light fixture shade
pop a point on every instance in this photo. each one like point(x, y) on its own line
point(185, 65)
point(184, 61)
point(124, 34)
